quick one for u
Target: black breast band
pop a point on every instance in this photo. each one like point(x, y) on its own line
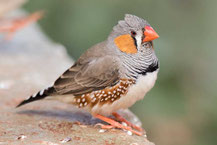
point(151, 68)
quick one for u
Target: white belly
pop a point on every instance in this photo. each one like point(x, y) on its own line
point(136, 92)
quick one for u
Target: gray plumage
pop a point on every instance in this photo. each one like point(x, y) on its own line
point(104, 64)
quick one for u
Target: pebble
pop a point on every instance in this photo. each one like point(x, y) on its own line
point(101, 130)
point(124, 124)
point(129, 133)
point(68, 139)
point(21, 137)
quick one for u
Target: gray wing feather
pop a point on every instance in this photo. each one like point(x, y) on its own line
point(87, 76)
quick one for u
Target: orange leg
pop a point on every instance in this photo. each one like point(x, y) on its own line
point(103, 126)
point(121, 119)
point(15, 25)
point(117, 124)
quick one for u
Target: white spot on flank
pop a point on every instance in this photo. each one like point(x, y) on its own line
point(83, 100)
point(82, 96)
point(134, 93)
point(85, 104)
point(92, 95)
point(81, 105)
point(94, 99)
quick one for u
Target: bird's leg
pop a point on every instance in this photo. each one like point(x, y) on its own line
point(12, 26)
point(121, 119)
point(103, 126)
point(116, 124)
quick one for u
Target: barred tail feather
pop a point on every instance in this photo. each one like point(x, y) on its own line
point(38, 96)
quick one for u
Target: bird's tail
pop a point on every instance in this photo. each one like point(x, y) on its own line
point(38, 96)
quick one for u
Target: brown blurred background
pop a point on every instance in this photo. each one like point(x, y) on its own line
point(181, 109)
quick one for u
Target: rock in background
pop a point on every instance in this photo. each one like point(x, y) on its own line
point(30, 62)
point(8, 5)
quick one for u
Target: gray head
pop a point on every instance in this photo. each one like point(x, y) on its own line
point(131, 33)
point(130, 22)
point(132, 40)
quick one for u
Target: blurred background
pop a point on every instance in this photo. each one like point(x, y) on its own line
point(182, 107)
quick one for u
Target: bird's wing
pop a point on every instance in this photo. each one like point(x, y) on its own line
point(87, 76)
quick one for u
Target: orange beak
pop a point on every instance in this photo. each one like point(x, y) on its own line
point(149, 34)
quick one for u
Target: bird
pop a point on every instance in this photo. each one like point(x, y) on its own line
point(111, 75)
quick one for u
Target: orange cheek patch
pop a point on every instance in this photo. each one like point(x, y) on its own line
point(126, 44)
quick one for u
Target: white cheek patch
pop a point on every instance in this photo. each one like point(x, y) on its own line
point(139, 39)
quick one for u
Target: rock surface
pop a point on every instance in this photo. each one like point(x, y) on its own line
point(30, 62)
point(8, 5)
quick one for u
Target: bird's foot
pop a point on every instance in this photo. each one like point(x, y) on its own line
point(103, 126)
point(11, 26)
point(116, 124)
point(121, 119)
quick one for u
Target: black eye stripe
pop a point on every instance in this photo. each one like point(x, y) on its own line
point(133, 34)
point(143, 36)
point(135, 41)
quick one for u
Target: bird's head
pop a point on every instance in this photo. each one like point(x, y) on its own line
point(133, 34)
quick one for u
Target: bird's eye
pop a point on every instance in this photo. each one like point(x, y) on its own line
point(133, 33)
